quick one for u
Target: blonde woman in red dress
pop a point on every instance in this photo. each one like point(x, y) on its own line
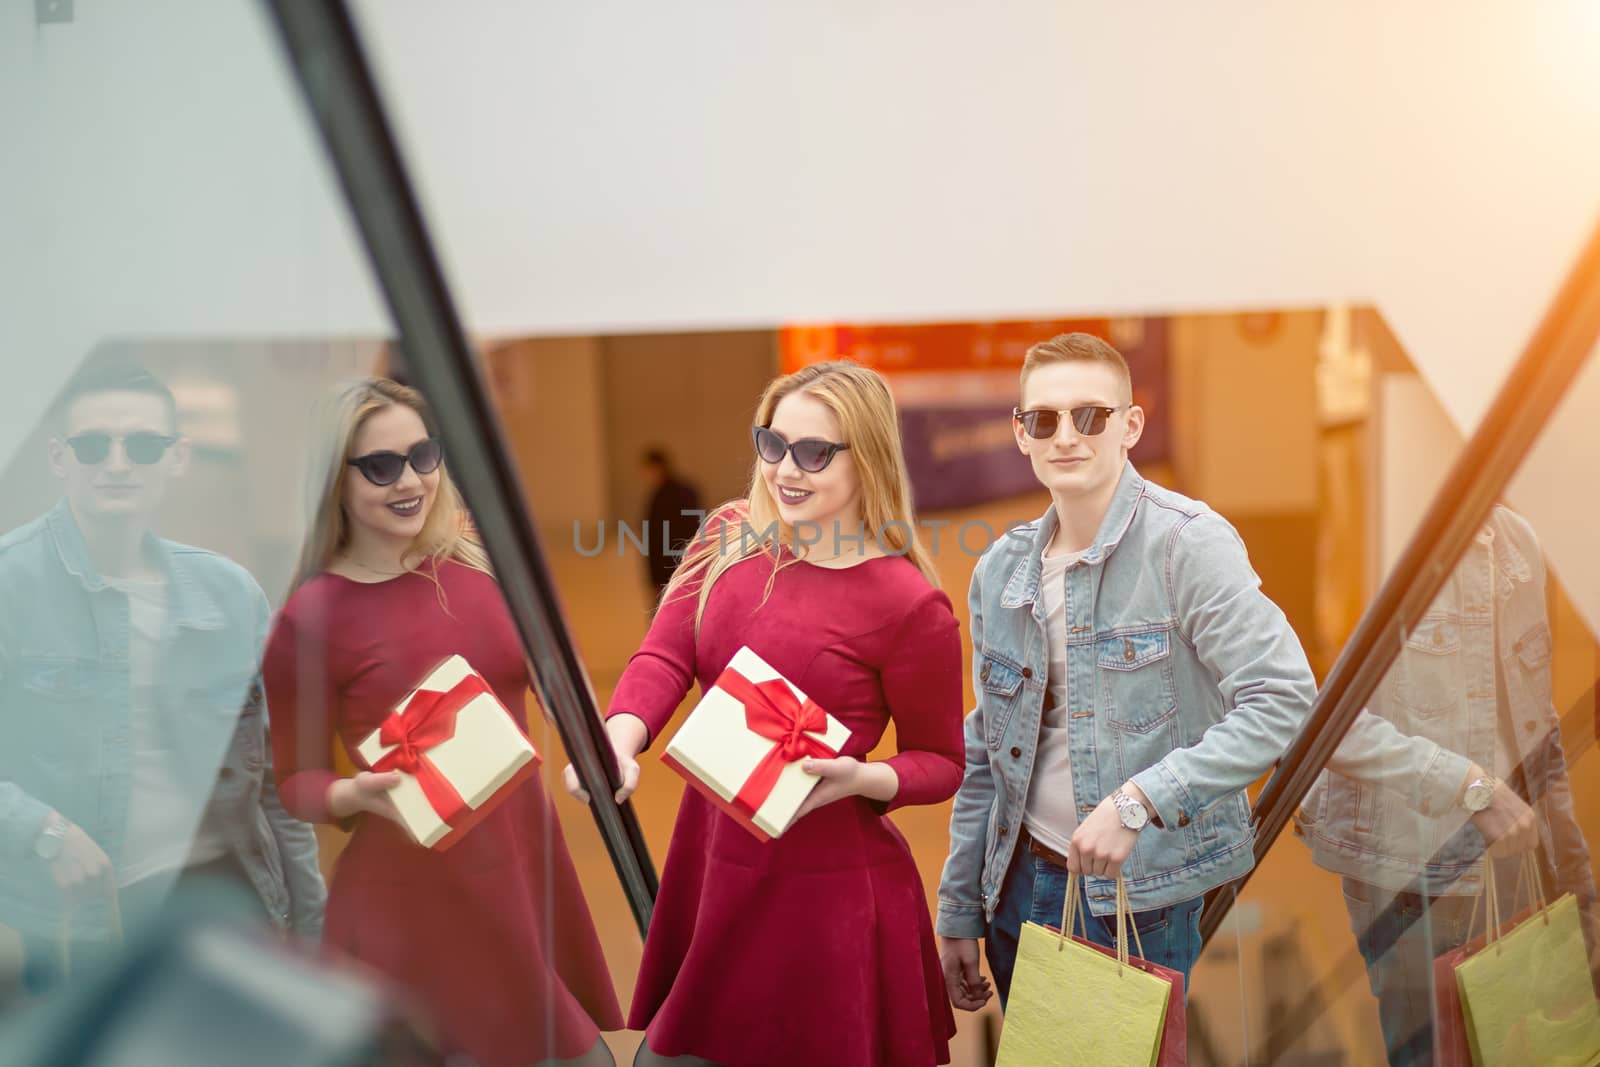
point(492, 937)
point(815, 947)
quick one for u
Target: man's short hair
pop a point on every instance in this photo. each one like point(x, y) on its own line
point(113, 374)
point(1075, 348)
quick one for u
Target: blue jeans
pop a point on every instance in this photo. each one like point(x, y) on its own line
point(1035, 890)
point(1399, 937)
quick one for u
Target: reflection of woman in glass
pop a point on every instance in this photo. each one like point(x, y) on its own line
point(815, 947)
point(493, 936)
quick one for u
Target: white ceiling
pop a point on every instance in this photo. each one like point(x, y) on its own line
point(618, 166)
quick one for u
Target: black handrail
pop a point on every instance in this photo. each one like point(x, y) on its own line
point(1540, 378)
point(325, 53)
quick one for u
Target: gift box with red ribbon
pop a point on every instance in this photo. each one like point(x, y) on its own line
point(742, 745)
point(459, 749)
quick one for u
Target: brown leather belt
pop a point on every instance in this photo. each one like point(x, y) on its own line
point(1044, 852)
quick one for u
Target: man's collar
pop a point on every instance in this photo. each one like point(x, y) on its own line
point(1023, 586)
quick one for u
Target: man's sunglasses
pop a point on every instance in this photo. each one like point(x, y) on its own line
point(811, 454)
point(143, 447)
point(385, 468)
point(1043, 423)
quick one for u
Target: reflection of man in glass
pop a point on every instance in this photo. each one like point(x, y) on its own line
point(133, 749)
point(1474, 680)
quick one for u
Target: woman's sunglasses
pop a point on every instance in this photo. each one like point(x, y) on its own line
point(1043, 423)
point(811, 454)
point(385, 468)
point(143, 448)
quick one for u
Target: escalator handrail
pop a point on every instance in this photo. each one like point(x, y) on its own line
point(324, 52)
point(1556, 353)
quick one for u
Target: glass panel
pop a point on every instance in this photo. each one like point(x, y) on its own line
point(170, 424)
point(582, 415)
point(1331, 953)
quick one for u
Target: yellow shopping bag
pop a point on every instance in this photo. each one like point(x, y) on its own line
point(1071, 1003)
point(1527, 997)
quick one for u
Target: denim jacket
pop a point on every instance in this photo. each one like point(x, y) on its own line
point(1489, 619)
point(65, 718)
point(1182, 676)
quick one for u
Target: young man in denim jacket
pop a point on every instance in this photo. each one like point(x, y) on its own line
point(1132, 680)
point(133, 744)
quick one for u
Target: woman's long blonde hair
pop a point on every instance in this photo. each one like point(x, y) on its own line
point(860, 400)
point(446, 533)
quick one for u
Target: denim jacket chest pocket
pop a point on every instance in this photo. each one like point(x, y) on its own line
point(1000, 681)
point(1137, 691)
point(1532, 650)
point(1428, 676)
point(65, 701)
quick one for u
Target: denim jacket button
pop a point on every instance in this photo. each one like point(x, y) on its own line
point(1016, 753)
point(983, 675)
point(1003, 830)
point(1183, 818)
point(1027, 672)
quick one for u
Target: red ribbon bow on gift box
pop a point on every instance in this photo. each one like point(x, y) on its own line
point(429, 719)
point(773, 711)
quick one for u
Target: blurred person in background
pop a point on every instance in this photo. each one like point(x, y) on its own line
point(134, 752)
point(671, 517)
point(1472, 686)
point(493, 936)
point(815, 947)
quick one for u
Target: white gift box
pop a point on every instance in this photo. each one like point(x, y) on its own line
point(484, 759)
point(717, 752)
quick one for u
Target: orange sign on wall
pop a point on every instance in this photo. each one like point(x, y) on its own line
point(926, 347)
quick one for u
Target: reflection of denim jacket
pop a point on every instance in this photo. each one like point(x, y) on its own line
point(64, 717)
point(1183, 676)
point(1489, 619)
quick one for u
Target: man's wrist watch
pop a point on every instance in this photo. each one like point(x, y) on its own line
point(1133, 814)
point(1479, 794)
point(47, 846)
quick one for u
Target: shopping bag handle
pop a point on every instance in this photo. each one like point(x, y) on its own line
point(1072, 914)
point(1069, 913)
point(1528, 873)
point(1490, 896)
point(1125, 914)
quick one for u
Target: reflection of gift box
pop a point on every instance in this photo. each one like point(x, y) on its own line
point(742, 745)
point(459, 748)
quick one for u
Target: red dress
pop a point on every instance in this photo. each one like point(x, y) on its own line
point(492, 937)
point(816, 947)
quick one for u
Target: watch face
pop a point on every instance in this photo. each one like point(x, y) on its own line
point(1479, 794)
point(1133, 814)
point(48, 846)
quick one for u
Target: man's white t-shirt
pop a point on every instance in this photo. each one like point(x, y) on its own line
point(1051, 814)
point(166, 830)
